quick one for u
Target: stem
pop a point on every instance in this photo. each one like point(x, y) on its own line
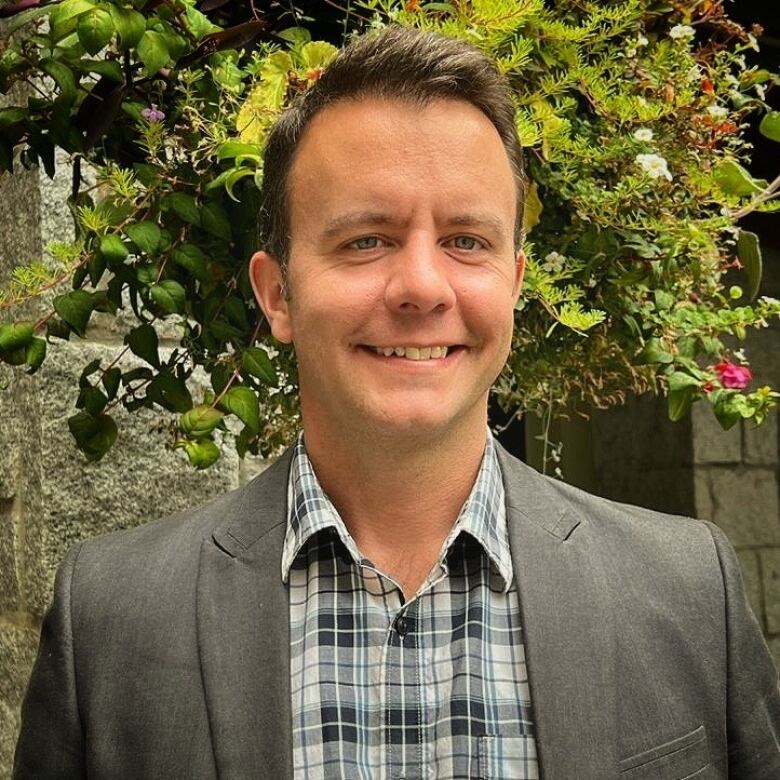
point(763, 197)
point(235, 373)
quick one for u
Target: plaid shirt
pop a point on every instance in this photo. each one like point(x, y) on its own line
point(432, 688)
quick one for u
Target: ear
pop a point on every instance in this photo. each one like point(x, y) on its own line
point(268, 285)
point(519, 273)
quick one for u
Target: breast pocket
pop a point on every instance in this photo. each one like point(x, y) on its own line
point(507, 758)
point(679, 759)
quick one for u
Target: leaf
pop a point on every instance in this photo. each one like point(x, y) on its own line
point(749, 252)
point(169, 295)
point(169, 392)
point(242, 402)
point(130, 26)
point(19, 19)
point(727, 413)
point(144, 342)
point(35, 354)
point(94, 435)
point(256, 362)
point(532, 210)
point(679, 403)
point(110, 380)
point(770, 126)
point(680, 380)
point(92, 400)
point(298, 36)
point(75, 308)
point(318, 54)
point(64, 16)
point(200, 420)
point(63, 77)
point(654, 352)
point(663, 300)
point(184, 206)
point(145, 235)
point(198, 23)
point(153, 51)
point(95, 30)
point(194, 260)
point(215, 220)
point(733, 179)
point(113, 248)
point(230, 149)
point(202, 453)
point(111, 69)
point(15, 335)
point(12, 115)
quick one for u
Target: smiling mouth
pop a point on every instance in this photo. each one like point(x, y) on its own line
point(413, 353)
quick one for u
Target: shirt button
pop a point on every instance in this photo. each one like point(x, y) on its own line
point(401, 627)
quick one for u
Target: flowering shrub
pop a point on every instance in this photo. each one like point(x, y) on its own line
point(632, 117)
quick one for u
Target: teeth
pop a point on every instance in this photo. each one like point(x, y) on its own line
point(413, 353)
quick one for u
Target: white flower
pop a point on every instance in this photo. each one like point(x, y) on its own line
point(643, 134)
point(717, 111)
point(694, 73)
point(682, 32)
point(591, 282)
point(655, 165)
point(740, 355)
point(752, 42)
point(641, 41)
point(769, 300)
point(761, 91)
point(554, 262)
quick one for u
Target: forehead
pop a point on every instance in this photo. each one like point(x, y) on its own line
point(392, 154)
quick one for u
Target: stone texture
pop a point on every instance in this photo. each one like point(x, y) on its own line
point(770, 569)
point(751, 574)
point(137, 481)
point(774, 650)
point(711, 444)
point(742, 501)
point(9, 729)
point(18, 645)
point(760, 444)
point(252, 466)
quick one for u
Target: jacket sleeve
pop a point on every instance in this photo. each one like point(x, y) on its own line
point(753, 717)
point(51, 740)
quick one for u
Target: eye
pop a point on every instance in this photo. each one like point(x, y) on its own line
point(365, 242)
point(468, 243)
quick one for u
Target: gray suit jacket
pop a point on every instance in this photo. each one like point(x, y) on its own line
point(165, 651)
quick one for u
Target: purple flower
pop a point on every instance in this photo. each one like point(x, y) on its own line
point(153, 114)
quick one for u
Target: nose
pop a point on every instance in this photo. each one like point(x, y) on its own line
point(419, 279)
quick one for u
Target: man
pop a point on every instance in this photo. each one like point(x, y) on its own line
point(397, 597)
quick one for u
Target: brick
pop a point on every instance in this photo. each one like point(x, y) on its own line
point(9, 731)
point(18, 645)
point(770, 570)
point(711, 444)
point(751, 574)
point(759, 444)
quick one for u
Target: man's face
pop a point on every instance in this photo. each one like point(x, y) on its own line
point(401, 223)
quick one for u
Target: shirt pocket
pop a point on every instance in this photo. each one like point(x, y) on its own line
point(679, 759)
point(506, 758)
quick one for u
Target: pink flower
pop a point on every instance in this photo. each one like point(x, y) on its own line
point(153, 114)
point(733, 376)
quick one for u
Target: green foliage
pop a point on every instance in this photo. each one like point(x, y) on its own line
point(632, 122)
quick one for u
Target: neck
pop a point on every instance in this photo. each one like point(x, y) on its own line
point(398, 496)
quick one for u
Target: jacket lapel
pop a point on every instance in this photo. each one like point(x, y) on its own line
point(243, 632)
point(568, 625)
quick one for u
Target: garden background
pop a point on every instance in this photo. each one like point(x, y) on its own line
point(51, 497)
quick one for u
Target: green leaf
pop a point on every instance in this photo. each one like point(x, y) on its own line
point(229, 179)
point(679, 403)
point(63, 77)
point(202, 453)
point(92, 400)
point(64, 17)
point(663, 300)
point(680, 380)
point(200, 420)
point(129, 24)
point(733, 179)
point(110, 380)
point(94, 435)
point(532, 210)
point(194, 260)
point(198, 23)
point(184, 206)
point(654, 352)
point(242, 402)
point(111, 69)
point(318, 54)
point(256, 362)
point(297, 36)
point(75, 308)
point(35, 354)
point(230, 149)
point(95, 30)
point(145, 235)
point(726, 411)
point(15, 335)
point(215, 220)
point(770, 126)
point(153, 51)
point(144, 343)
point(113, 248)
point(169, 295)
point(749, 252)
point(12, 115)
point(170, 392)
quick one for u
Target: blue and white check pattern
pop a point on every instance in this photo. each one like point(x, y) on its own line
point(432, 688)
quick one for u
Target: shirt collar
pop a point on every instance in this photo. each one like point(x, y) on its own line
point(482, 516)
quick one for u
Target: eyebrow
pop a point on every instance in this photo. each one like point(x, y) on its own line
point(359, 219)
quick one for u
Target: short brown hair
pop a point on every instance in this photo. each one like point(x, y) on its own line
point(397, 62)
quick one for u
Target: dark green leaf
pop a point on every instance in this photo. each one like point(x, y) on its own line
point(242, 402)
point(184, 206)
point(770, 126)
point(110, 380)
point(749, 252)
point(75, 308)
point(92, 400)
point(169, 392)
point(94, 435)
point(654, 352)
point(256, 362)
point(153, 51)
point(145, 235)
point(679, 380)
point(113, 248)
point(200, 420)
point(111, 69)
point(169, 295)
point(129, 24)
point(679, 402)
point(95, 30)
point(35, 354)
point(144, 343)
point(15, 335)
point(215, 220)
point(12, 115)
point(63, 77)
point(57, 329)
point(726, 411)
point(202, 453)
point(194, 260)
